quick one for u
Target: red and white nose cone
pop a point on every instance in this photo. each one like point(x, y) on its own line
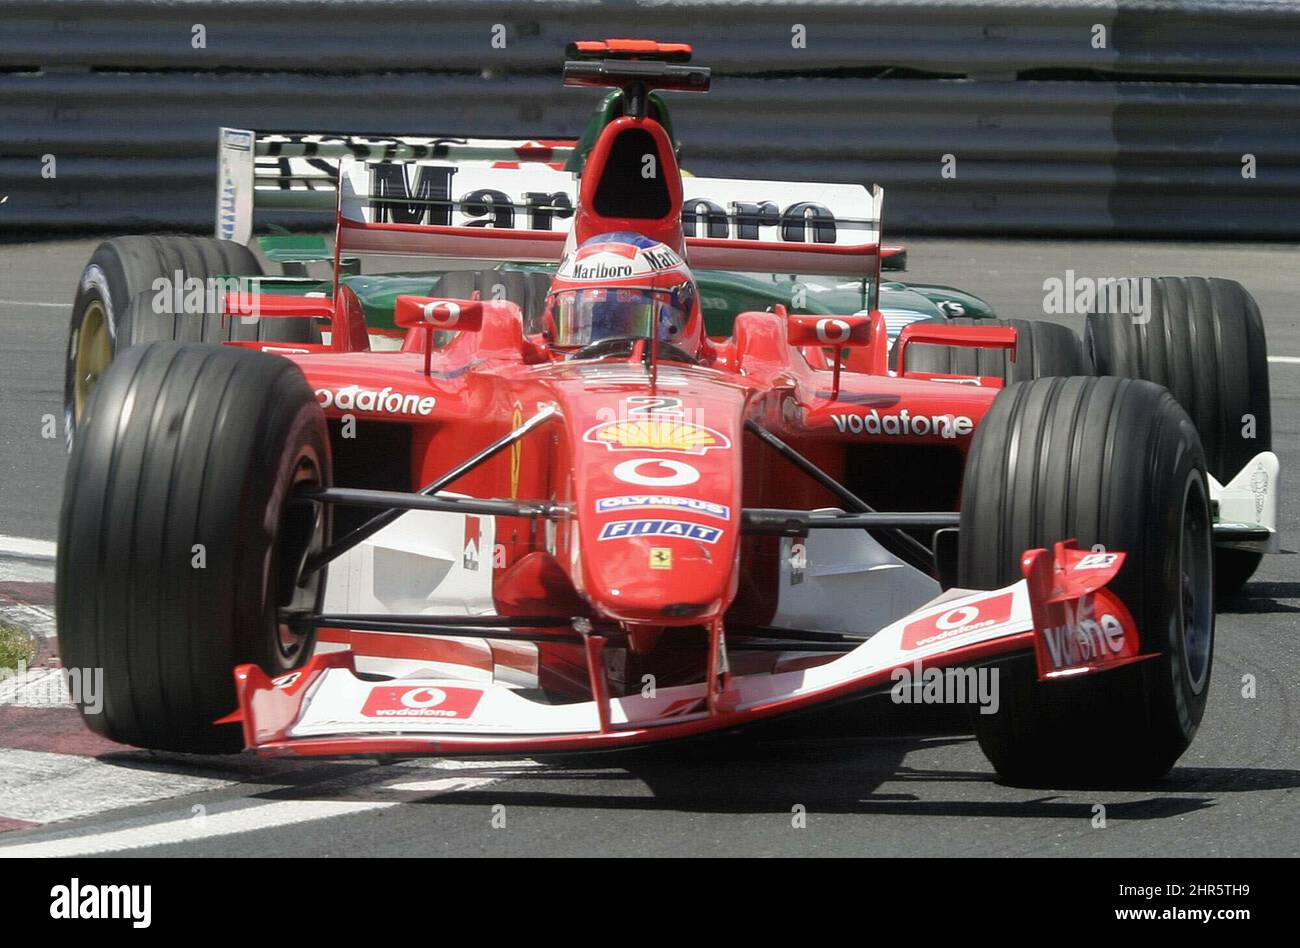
point(657, 483)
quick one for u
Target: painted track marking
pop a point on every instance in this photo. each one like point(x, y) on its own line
point(40, 787)
point(27, 548)
point(36, 620)
point(186, 827)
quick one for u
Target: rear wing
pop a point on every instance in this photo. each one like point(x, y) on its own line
point(299, 171)
point(524, 212)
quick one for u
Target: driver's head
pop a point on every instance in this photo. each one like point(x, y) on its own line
point(623, 285)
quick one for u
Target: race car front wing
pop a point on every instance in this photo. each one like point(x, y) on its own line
point(1060, 612)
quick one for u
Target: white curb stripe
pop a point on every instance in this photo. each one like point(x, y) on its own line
point(35, 620)
point(41, 787)
point(27, 547)
point(194, 827)
point(1285, 360)
point(35, 688)
point(21, 570)
point(201, 824)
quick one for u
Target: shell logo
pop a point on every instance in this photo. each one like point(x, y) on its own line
point(656, 434)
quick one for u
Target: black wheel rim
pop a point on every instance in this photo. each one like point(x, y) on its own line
point(1196, 586)
point(302, 534)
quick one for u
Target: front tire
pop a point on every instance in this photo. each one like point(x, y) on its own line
point(1109, 462)
point(180, 541)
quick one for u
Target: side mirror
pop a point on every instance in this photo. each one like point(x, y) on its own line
point(858, 331)
point(970, 337)
point(841, 332)
point(893, 258)
point(426, 312)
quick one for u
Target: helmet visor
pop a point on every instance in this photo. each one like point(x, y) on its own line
point(583, 317)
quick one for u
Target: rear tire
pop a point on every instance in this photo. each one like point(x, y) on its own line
point(1204, 341)
point(114, 307)
point(1042, 350)
point(178, 542)
point(1114, 462)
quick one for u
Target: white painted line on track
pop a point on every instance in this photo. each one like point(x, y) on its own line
point(440, 784)
point(481, 763)
point(1285, 360)
point(193, 828)
point(198, 825)
point(42, 787)
point(27, 548)
point(16, 570)
point(34, 303)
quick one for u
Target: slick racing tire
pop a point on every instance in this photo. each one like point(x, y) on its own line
point(1116, 464)
point(118, 304)
point(1203, 339)
point(1042, 350)
point(179, 540)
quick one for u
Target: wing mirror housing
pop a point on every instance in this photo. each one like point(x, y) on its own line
point(438, 313)
point(840, 332)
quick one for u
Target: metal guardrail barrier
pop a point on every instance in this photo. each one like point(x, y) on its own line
point(1138, 118)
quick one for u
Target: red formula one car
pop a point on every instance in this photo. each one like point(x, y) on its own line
point(604, 528)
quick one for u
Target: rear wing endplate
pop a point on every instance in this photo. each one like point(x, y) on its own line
point(299, 171)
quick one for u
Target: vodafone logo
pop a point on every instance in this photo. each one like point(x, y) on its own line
point(642, 472)
point(836, 331)
point(959, 620)
point(441, 313)
point(421, 698)
point(833, 331)
point(385, 400)
point(424, 701)
point(1086, 637)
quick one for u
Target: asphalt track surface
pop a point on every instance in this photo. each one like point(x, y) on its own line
point(872, 779)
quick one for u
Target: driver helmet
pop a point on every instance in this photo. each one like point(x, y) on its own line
point(623, 285)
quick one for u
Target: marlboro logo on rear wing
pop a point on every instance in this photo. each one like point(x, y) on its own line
point(524, 213)
point(299, 171)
